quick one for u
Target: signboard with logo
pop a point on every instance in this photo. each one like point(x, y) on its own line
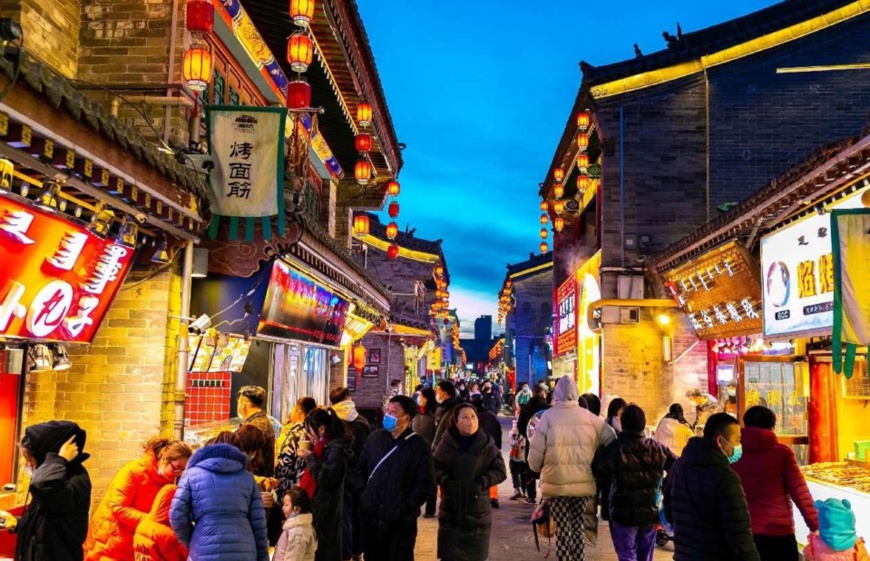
point(298, 308)
point(720, 292)
point(797, 267)
point(566, 313)
point(57, 279)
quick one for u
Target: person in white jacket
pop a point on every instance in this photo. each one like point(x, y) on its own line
point(562, 450)
point(298, 541)
point(673, 430)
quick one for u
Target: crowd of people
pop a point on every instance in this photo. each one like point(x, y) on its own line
point(327, 486)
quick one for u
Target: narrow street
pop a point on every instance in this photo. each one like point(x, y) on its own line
point(512, 538)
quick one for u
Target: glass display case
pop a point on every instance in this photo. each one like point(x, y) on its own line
point(838, 480)
point(777, 382)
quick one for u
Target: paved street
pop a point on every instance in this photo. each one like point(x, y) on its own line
point(512, 538)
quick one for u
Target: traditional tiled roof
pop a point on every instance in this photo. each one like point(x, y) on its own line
point(534, 261)
point(411, 320)
point(410, 241)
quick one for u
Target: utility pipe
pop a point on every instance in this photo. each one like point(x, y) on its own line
point(167, 101)
point(183, 342)
point(170, 68)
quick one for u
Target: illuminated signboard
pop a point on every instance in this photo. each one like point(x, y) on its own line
point(797, 265)
point(298, 308)
point(566, 299)
point(57, 279)
point(221, 352)
point(720, 292)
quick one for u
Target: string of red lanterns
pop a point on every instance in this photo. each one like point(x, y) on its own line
point(197, 64)
point(300, 53)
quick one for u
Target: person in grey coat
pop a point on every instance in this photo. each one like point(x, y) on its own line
point(467, 464)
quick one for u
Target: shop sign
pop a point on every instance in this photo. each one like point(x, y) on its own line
point(797, 265)
point(57, 278)
point(720, 292)
point(433, 359)
point(566, 330)
point(297, 308)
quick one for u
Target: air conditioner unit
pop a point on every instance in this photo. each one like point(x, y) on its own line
point(629, 316)
point(629, 287)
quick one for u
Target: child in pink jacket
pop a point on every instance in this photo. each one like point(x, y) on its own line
point(298, 542)
point(837, 539)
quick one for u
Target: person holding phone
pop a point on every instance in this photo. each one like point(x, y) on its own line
point(55, 523)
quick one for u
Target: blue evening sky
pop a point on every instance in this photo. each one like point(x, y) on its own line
point(480, 92)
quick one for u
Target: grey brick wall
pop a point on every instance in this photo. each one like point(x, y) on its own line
point(529, 320)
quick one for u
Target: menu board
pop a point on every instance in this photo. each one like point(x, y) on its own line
point(218, 352)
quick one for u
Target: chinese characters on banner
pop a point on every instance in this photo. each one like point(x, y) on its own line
point(719, 292)
point(566, 297)
point(247, 181)
point(851, 244)
point(57, 279)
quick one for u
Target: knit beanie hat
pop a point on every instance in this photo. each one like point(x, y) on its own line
point(837, 524)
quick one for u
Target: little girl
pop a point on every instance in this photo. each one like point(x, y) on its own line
point(837, 539)
point(298, 542)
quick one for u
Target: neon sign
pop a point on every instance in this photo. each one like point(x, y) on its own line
point(566, 297)
point(58, 279)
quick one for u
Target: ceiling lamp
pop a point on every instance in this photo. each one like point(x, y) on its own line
point(559, 207)
point(544, 219)
point(161, 255)
point(544, 247)
point(300, 51)
point(364, 114)
point(545, 206)
point(200, 17)
point(393, 209)
point(298, 94)
point(197, 67)
point(393, 188)
point(41, 359)
point(544, 233)
point(102, 220)
point(302, 12)
point(361, 225)
point(582, 161)
point(364, 143)
point(558, 223)
point(392, 251)
point(61, 358)
point(558, 190)
point(392, 230)
point(583, 183)
point(129, 232)
point(362, 171)
point(584, 118)
point(50, 195)
point(558, 175)
point(582, 141)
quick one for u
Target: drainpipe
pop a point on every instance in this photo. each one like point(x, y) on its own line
point(622, 185)
point(170, 68)
point(183, 343)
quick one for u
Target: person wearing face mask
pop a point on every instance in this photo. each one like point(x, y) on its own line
point(55, 523)
point(250, 408)
point(398, 468)
point(704, 499)
point(288, 465)
point(447, 398)
point(523, 397)
point(491, 398)
point(129, 499)
point(467, 464)
point(298, 541)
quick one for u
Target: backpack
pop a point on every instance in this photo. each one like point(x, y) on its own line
point(543, 524)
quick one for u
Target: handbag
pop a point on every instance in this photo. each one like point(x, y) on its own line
point(543, 524)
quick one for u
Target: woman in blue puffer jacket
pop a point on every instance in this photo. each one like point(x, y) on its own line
point(218, 512)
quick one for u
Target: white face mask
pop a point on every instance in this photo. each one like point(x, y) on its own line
point(438, 398)
point(29, 471)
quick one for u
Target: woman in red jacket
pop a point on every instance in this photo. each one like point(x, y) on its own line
point(772, 480)
point(154, 539)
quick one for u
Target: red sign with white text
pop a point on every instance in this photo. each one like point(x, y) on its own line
point(57, 279)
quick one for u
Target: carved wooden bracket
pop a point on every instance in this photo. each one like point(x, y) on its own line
point(242, 259)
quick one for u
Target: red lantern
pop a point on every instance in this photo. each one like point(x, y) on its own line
point(509, 283)
point(392, 251)
point(558, 175)
point(558, 190)
point(393, 209)
point(393, 188)
point(364, 114)
point(582, 141)
point(583, 161)
point(364, 143)
point(197, 67)
point(298, 94)
point(559, 223)
point(362, 172)
point(439, 271)
point(359, 357)
point(545, 206)
point(544, 247)
point(544, 233)
point(392, 230)
point(300, 51)
point(583, 183)
point(583, 120)
point(302, 11)
point(559, 207)
point(544, 219)
point(361, 224)
point(200, 17)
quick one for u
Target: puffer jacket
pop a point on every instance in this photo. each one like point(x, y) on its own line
point(564, 445)
point(772, 480)
point(126, 503)
point(327, 505)
point(673, 434)
point(154, 539)
point(635, 467)
point(298, 541)
point(704, 501)
point(217, 511)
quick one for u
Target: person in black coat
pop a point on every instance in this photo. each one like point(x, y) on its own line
point(491, 398)
point(538, 402)
point(424, 425)
point(490, 425)
point(467, 464)
point(704, 497)
point(398, 468)
point(635, 467)
point(447, 398)
point(55, 523)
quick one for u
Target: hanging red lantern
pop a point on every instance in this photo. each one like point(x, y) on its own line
point(393, 209)
point(545, 206)
point(558, 190)
point(364, 143)
point(300, 51)
point(439, 271)
point(392, 230)
point(200, 17)
point(582, 161)
point(302, 11)
point(359, 357)
point(582, 141)
point(559, 223)
point(584, 118)
point(393, 188)
point(364, 114)
point(583, 183)
point(544, 233)
point(544, 219)
point(361, 224)
point(559, 207)
point(508, 283)
point(298, 94)
point(197, 67)
point(392, 251)
point(558, 175)
point(544, 247)
point(362, 171)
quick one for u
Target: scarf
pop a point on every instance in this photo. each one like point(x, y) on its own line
point(307, 482)
point(346, 410)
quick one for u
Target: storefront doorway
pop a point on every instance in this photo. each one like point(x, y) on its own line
point(298, 370)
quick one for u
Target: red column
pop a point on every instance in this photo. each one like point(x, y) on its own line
point(822, 414)
point(712, 364)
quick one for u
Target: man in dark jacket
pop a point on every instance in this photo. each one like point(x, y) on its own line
point(447, 399)
point(635, 466)
point(250, 409)
point(55, 524)
point(704, 499)
point(490, 425)
point(491, 399)
point(398, 468)
point(538, 402)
